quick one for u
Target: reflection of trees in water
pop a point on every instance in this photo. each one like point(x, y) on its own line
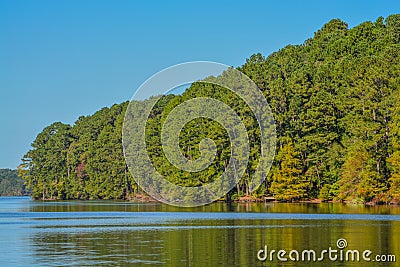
point(206, 242)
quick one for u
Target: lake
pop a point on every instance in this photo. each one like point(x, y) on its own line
point(117, 233)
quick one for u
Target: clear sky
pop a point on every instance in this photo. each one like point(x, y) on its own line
point(66, 58)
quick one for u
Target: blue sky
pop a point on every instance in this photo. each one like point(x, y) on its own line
point(62, 59)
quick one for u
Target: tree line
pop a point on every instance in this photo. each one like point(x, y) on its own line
point(336, 104)
point(11, 184)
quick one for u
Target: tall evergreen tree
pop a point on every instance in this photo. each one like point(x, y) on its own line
point(288, 182)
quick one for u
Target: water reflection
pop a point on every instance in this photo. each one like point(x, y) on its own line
point(228, 243)
point(25, 204)
point(104, 234)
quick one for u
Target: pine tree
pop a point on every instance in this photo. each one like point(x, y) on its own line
point(288, 182)
point(394, 159)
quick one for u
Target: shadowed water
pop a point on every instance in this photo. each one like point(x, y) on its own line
point(116, 233)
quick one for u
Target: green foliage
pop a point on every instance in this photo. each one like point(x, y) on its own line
point(335, 94)
point(335, 99)
point(288, 182)
point(11, 184)
point(394, 159)
point(80, 162)
point(44, 167)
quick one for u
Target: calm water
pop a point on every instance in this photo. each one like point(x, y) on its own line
point(112, 233)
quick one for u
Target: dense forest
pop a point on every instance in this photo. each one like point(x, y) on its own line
point(336, 103)
point(11, 184)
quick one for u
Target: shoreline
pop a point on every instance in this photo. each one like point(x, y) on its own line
point(242, 200)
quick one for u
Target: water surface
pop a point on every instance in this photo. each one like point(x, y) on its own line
point(117, 233)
